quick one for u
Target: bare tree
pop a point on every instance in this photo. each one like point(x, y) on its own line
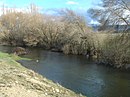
point(112, 12)
point(33, 8)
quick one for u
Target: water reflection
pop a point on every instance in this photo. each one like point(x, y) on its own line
point(79, 74)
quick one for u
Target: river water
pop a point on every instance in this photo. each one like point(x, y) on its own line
point(78, 74)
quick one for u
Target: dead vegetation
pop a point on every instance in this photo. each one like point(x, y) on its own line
point(67, 32)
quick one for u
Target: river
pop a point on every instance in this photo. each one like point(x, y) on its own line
point(77, 73)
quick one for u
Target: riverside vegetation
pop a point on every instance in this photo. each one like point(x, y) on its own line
point(66, 32)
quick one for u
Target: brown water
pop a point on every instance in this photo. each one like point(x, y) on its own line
point(78, 74)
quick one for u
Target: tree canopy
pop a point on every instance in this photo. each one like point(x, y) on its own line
point(112, 12)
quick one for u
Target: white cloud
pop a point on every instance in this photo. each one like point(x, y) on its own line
point(72, 3)
point(94, 22)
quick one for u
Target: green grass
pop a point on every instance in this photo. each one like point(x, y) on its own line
point(11, 56)
point(11, 59)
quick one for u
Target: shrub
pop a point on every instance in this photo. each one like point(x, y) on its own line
point(116, 50)
point(68, 31)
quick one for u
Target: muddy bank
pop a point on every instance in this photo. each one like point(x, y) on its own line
point(17, 81)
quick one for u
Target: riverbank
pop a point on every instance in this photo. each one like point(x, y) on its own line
point(18, 81)
point(63, 35)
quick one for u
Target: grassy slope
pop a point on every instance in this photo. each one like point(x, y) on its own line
point(17, 81)
point(10, 59)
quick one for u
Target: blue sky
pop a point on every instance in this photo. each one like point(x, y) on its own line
point(49, 4)
point(80, 6)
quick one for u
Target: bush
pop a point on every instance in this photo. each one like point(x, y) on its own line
point(116, 50)
point(29, 29)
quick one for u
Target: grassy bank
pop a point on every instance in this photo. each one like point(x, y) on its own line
point(18, 81)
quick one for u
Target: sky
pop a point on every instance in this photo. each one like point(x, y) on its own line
point(49, 4)
point(78, 5)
